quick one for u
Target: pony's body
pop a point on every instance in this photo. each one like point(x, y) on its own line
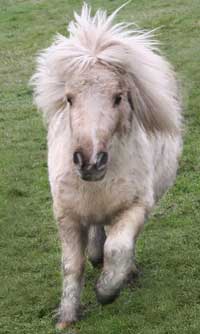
point(114, 119)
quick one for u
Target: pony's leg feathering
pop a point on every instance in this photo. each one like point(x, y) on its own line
point(119, 253)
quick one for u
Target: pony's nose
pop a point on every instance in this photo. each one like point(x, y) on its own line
point(91, 170)
point(101, 160)
point(82, 162)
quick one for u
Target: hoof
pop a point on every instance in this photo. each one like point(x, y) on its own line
point(96, 262)
point(104, 298)
point(63, 325)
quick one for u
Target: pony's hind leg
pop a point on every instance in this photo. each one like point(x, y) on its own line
point(96, 239)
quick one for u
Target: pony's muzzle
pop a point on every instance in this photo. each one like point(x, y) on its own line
point(91, 170)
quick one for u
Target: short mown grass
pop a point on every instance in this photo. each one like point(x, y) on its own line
point(165, 298)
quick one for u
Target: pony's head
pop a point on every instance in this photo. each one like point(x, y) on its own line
point(100, 108)
point(105, 77)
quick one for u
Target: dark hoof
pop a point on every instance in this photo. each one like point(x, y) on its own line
point(106, 299)
point(97, 262)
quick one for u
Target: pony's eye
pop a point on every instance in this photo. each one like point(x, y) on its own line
point(70, 99)
point(117, 100)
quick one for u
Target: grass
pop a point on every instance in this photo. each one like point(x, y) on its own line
point(166, 297)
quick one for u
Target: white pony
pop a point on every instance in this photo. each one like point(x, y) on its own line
point(114, 119)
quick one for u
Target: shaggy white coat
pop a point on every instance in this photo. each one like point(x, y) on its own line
point(143, 164)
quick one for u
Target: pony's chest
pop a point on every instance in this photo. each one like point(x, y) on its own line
point(104, 203)
point(97, 203)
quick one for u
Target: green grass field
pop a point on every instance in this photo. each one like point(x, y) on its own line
point(165, 298)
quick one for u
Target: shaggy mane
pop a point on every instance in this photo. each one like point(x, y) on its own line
point(95, 39)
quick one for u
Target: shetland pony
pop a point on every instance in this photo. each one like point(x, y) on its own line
point(113, 112)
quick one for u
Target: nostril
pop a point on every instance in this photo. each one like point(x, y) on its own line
point(78, 159)
point(102, 159)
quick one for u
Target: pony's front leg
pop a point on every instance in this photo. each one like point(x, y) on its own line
point(119, 253)
point(73, 239)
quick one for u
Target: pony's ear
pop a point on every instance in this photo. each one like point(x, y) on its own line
point(154, 108)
